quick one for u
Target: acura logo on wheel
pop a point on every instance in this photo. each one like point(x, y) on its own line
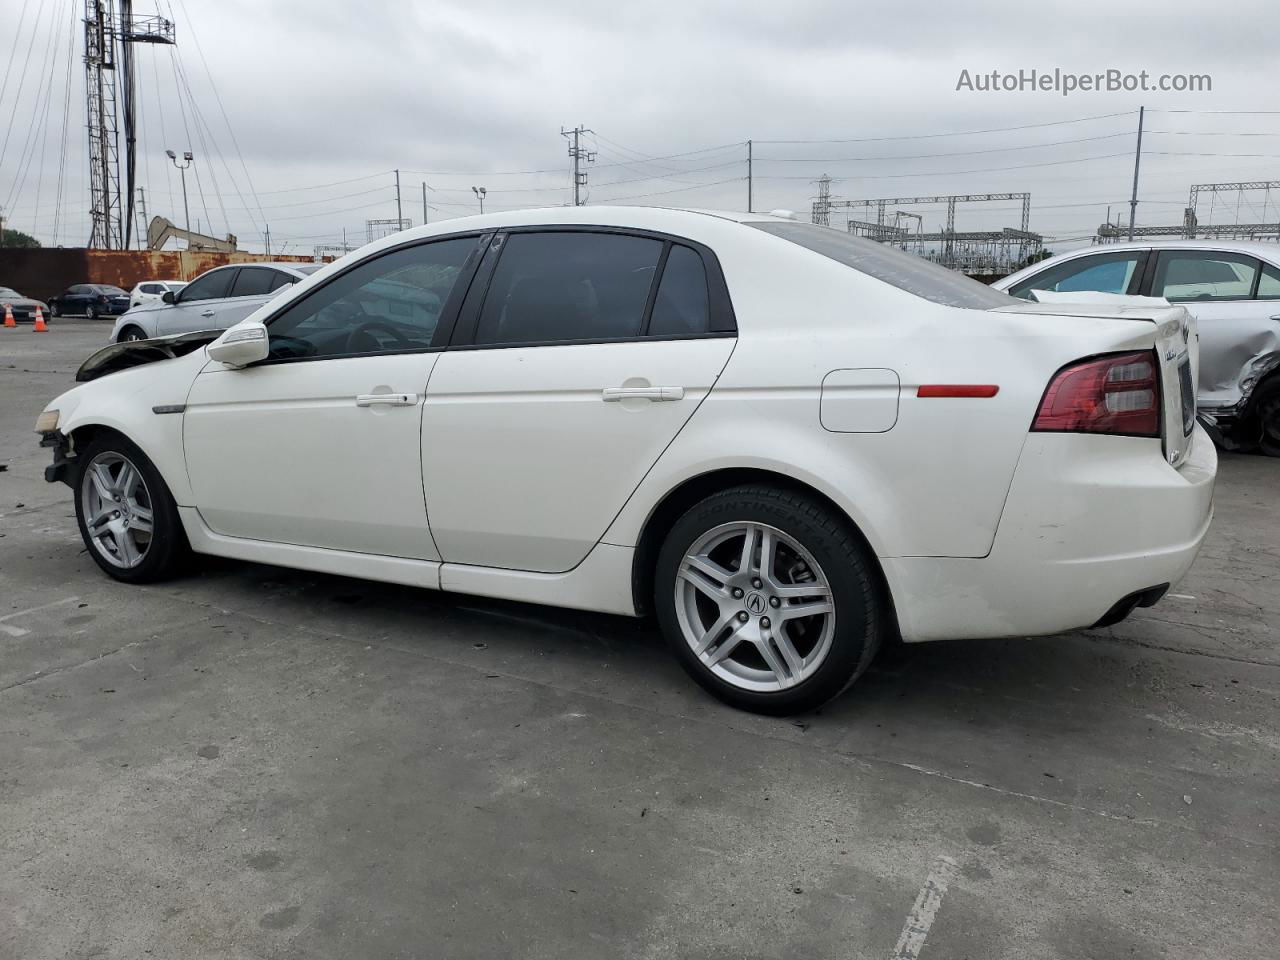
point(756, 603)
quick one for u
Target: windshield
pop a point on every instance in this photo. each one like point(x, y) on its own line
point(896, 267)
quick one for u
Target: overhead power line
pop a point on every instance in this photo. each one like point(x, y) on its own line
point(963, 133)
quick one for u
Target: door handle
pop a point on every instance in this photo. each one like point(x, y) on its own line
point(387, 399)
point(207, 313)
point(656, 394)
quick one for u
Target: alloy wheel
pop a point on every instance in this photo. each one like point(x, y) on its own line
point(117, 510)
point(754, 606)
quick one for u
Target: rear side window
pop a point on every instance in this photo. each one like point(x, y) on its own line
point(890, 265)
point(152, 288)
point(681, 307)
point(253, 282)
point(1197, 275)
point(566, 286)
point(210, 286)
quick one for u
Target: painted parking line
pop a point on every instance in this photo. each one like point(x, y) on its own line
point(925, 909)
point(11, 630)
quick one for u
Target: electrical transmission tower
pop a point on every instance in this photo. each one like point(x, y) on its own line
point(109, 92)
point(821, 213)
point(579, 156)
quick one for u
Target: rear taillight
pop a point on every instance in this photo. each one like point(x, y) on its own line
point(1118, 393)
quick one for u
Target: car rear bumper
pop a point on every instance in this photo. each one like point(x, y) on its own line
point(1092, 526)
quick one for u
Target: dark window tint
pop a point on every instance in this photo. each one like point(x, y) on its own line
point(895, 267)
point(152, 288)
point(390, 303)
point(253, 282)
point(1269, 283)
point(551, 287)
point(681, 307)
point(1102, 273)
point(210, 286)
point(281, 280)
point(1193, 275)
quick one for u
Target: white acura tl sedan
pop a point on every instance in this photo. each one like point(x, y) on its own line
point(785, 442)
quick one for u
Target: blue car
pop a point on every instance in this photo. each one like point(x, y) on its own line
point(91, 300)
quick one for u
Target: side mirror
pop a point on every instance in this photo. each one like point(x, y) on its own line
point(241, 345)
point(168, 297)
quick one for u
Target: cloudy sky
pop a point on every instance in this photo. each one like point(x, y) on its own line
point(298, 112)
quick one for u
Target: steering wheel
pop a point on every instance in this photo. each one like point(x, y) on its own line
point(362, 330)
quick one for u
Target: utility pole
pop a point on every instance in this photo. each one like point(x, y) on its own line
point(268, 226)
point(399, 212)
point(749, 198)
point(424, 203)
point(1137, 159)
point(142, 208)
point(186, 211)
point(578, 155)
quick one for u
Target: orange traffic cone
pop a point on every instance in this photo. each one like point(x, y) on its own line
point(40, 326)
point(8, 316)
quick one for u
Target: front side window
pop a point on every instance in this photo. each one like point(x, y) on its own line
point(1196, 275)
point(387, 304)
point(682, 307)
point(211, 286)
point(567, 286)
point(1269, 282)
point(1101, 273)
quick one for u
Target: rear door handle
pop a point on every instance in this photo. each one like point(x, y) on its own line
point(386, 399)
point(207, 313)
point(656, 394)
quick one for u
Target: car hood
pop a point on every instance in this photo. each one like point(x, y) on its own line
point(122, 356)
point(27, 303)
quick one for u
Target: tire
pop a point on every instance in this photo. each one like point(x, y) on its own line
point(90, 313)
point(1266, 404)
point(818, 562)
point(119, 542)
point(131, 333)
point(53, 309)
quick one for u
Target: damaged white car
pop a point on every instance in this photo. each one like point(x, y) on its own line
point(1231, 288)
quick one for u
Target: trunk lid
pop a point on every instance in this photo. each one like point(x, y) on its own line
point(1176, 345)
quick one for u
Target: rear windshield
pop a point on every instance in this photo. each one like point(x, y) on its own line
point(896, 267)
point(103, 288)
point(307, 268)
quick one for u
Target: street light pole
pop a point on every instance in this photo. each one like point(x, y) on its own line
point(480, 192)
point(182, 168)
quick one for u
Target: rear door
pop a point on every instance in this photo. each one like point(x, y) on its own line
point(1220, 289)
point(578, 356)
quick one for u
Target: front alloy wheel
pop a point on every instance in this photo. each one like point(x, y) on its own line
point(127, 516)
point(117, 510)
point(769, 599)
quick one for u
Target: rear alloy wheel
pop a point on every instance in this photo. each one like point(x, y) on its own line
point(768, 599)
point(91, 313)
point(53, 310)
point(127, 516)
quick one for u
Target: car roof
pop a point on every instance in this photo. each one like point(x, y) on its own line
point(1258, 248)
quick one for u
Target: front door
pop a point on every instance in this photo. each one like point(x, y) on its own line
point(197, 303)
point(319, 444)
point(565, 382)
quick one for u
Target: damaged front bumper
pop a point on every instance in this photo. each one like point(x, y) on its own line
point(63, 468)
